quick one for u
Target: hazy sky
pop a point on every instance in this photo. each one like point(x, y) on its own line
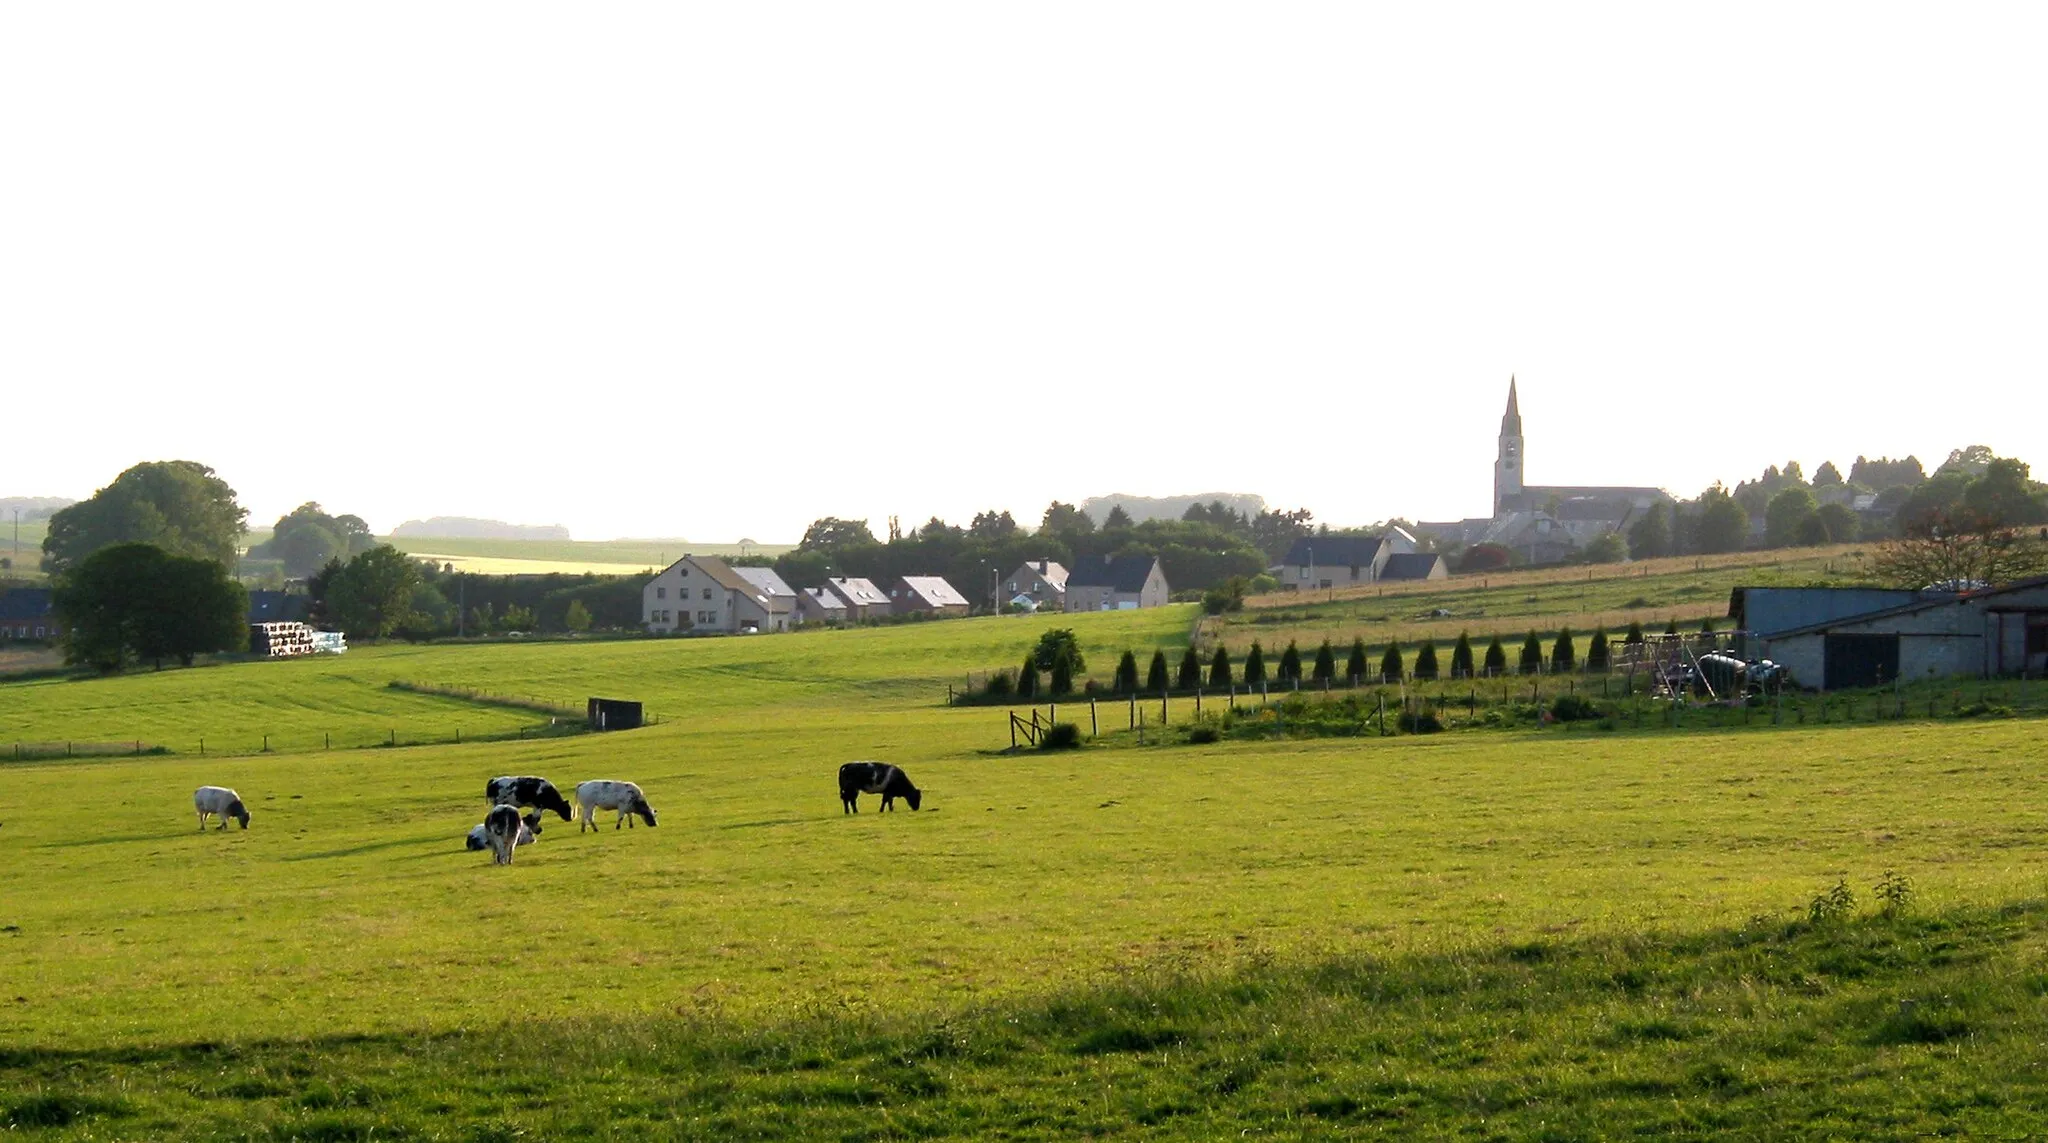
point(713, 271)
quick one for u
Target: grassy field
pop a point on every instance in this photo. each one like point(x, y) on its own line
point(1491, 934)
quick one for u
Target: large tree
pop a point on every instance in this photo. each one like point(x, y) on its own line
point(137, 601)
point(1956, 548)
point(1065, 520)
point(307, 538)
point(177, 505)
point(1787, 515)
point(1723, 524)
point(371, 595)
point(831, 534)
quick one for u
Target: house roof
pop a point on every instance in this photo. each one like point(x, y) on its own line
point(1335, 551)
point(1123, 574)
point(1411, 565)
point(857, 592)
point(823, 599)
point(1925, 603)
point(765, 579)
point(933, 591)
point(25, 603)
point(1048, 570)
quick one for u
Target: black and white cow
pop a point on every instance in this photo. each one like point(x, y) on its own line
point(604, 794)
point(538, 793)
point(528, 826)
point(502, 828)
point(857, 778)
point(220, 802)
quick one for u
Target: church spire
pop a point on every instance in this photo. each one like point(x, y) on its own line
point(1507, 466)
point(1512, 422)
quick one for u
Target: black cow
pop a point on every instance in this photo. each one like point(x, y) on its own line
point(528, 791)
point(857, 778)
point(501, 833)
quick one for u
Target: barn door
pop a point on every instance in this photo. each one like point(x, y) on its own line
point(1861, 660)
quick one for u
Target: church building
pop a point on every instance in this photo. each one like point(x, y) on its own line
point(1544, 523)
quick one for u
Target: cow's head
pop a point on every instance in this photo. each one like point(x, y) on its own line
point(914, 797)
point(645, 811)
point(532, 821)
point(239, 812)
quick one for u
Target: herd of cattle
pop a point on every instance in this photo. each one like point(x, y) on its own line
point(504, 830)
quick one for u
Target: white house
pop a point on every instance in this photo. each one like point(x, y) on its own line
point(781, 597)
point(1120, 583)
point(705, 594)
point(1044, 582)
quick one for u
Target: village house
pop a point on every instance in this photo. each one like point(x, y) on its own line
point(926, 595)
point(1316, 563)
point(863, 599)
point(705, 594)
point(1043, 582)
point(1116, 583)
point(781, 598)
point(27, 613)
point(819, 605)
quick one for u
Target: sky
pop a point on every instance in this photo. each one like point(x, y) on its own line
point(714, 271)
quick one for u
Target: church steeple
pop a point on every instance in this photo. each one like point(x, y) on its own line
point(1507, 465)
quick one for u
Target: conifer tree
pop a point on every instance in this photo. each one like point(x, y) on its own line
point(1326, 663)
point(1596, 651)
point(1219, 668)
point(1671, 628)
point(1027, 679)
point(1563, 655)
point(1290, 665)
point(1158, 679)
point(1390, 663)
point(1062, 677)
point(1190, 669)
point(1425, 660)
point(1496, 659)
point(1354, 667)
point(1707, 625)
point(1254, 667)
point(1532, 655)
point(1635, 633)
point(1126, 674)
point(1461, 657)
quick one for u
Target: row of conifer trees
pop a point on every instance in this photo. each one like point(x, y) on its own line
point(1220, 672)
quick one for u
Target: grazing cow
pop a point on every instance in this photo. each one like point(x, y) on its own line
point(502, 828)
point(538, 793)
point(602, 794)
point(857, 778)
point(220, 802)
point(528, 826)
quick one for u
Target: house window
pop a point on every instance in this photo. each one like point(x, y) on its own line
point(684, 572)
point(661, 593)
point(707, 593)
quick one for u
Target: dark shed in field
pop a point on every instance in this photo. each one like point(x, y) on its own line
point(614, 714)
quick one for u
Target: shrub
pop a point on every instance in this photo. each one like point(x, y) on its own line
point(1419, 722)
point(1390, 663)
point(1027, 678)
point(1059, 646)
point(1834, 905)
point(1532, 655)
point(1190, 669)
point(1254, 667)
point(1485, 557)
point(1596, 651)
point(1425, 661)
point(1563, 656)
point(1894, 892)
point(1496, 658)
point(1290, 664)
point(1205, 732)
point(1158, 679)
point(1062, 677)
point(999, 685)
point(1225, 596)
point(1354, 667)
point(1461, 657)
point(1061, 736)
point(1573, 708)
point(1219, 668)
point(1127, 674)
point(1326, 663)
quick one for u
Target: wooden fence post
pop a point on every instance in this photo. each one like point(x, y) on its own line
point(1091, 717)
point(1013, 730)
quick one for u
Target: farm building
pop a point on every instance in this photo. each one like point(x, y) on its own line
point(1855, 637)
point(819, 605)
point(862, 598)
point(1414, 566)
point(926, 595)
point(781, 597)
point(1116, 583)
point(704, 593)
point(27, 613)
point(1043, 582)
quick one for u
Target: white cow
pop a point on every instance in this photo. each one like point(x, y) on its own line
point(220, 802)
point(604, 794)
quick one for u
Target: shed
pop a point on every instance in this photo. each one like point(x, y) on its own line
point(614, 714)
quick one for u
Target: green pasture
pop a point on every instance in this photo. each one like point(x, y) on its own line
point(1507, 933)
point(1509, 603)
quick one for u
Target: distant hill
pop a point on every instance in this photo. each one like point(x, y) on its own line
point(32, 507)
point(467, 528)
point(1142, 508)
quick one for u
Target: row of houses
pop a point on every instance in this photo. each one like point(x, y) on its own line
point(706, 594)
point(1318, 563)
